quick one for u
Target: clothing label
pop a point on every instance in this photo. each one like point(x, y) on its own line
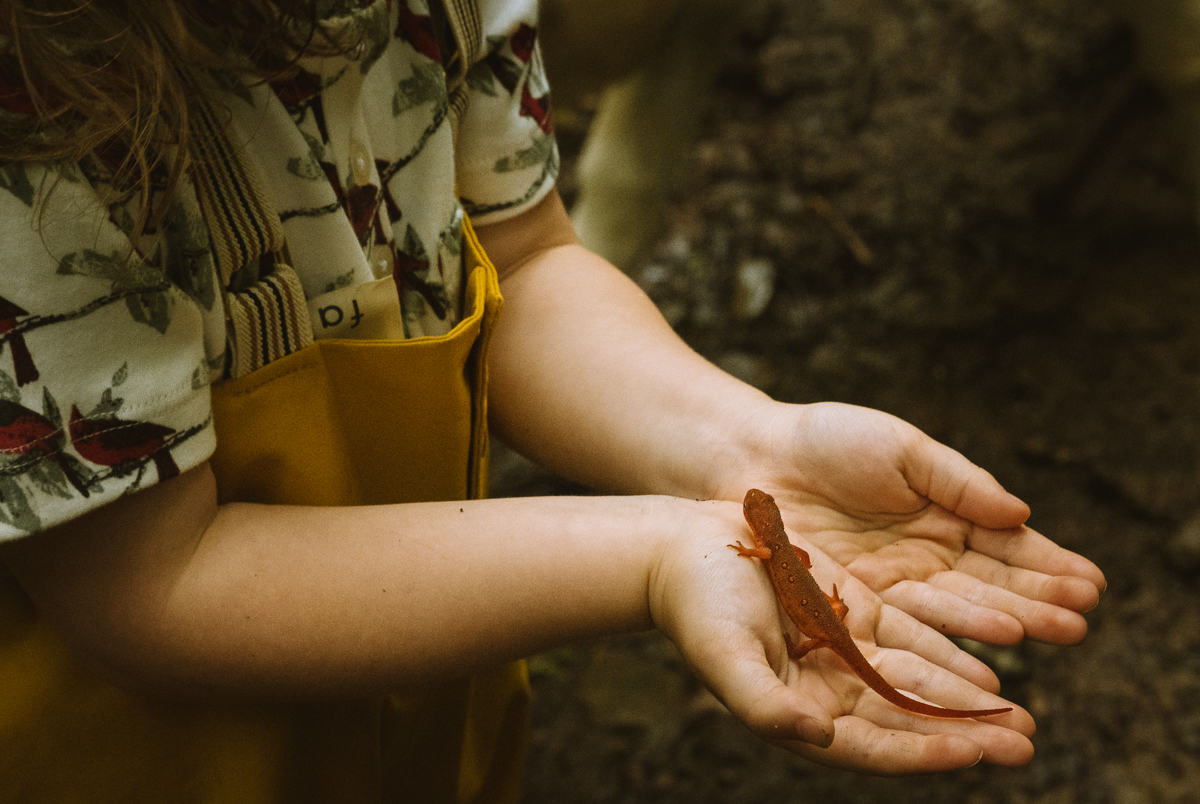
point(368, 311)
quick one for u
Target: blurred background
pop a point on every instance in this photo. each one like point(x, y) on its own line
point(977, 215)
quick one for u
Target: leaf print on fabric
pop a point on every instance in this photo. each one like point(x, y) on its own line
point(188, 255)
point(109, 405)
point(361, 27)
point(505, 69)
point(8, 388)
point(411, 274)
point(374, 34)
point(150, 309)
point(143, 286)
point(426, 85)
point(549, 171)
point(14, 177)
point(341, 281)
point(23, 367)
point(452, 236)
point(540, 152)
point(480, 79)
point(309, 165)
point(15, 509)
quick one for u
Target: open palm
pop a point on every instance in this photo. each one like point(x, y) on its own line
point(926, 530)
point(721, 611)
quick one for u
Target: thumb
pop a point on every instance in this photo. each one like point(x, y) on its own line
point(947, 478)
point(774, 711)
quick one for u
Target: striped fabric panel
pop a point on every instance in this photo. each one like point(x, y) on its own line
point(269, 320)
point(467, 24)
point(242, 227)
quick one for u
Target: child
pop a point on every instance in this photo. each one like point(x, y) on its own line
point(244, 427)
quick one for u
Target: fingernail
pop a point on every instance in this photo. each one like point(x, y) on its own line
point(810, 731)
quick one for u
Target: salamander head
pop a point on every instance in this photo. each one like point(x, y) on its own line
point(755, 498)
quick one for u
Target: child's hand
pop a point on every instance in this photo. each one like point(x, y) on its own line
point(929, 532)
point(720, 610)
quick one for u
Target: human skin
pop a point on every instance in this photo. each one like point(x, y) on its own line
point(169, 592)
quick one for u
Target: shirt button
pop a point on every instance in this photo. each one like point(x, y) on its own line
point(360, 163)
point(381, 260)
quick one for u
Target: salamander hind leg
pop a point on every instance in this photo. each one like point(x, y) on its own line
point(804, 559)
point(802, 649)
point(837, 604)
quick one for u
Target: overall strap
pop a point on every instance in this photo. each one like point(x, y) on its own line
point(466, 23)
point(269, 319)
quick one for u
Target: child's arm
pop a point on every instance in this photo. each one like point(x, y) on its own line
point(176, 593)
point(623, 404)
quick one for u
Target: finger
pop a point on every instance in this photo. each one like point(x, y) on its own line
point(916, 677)
point(1068, 591)
point(899, 631)
point(947, 478)
point(863, 746)
point(997, 744)
point(949, 613)
point(1047, 622)
point(1027, 549)
point(744, 682)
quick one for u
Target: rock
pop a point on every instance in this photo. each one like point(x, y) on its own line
point(754, 285)
point(1183, 549)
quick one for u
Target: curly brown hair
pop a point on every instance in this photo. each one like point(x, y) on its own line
point(87, 76)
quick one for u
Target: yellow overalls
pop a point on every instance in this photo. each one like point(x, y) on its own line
point(336, 423)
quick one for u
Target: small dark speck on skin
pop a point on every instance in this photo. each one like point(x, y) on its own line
point(460, 510)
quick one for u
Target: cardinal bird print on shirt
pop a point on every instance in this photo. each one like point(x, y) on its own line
point(45, 455)
point(27, 437)
point(123, 445)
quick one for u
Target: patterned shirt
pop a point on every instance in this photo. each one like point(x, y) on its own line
point(108, 349)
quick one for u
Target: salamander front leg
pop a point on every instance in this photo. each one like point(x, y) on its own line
point(751, 552)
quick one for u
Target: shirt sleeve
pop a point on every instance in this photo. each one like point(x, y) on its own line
point(507, 156)
point(106, 351)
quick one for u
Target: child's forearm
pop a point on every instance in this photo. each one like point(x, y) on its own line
point(272, 601)
point(588, 379)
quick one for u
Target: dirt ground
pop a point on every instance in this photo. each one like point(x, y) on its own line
point(974, 215)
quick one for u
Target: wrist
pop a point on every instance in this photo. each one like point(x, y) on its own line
point(681, 563)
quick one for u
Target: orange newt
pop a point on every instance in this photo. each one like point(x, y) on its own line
point(817, 615)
